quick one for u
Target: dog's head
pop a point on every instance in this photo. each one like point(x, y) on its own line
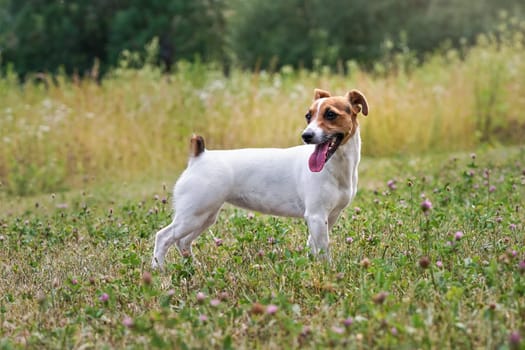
point(332, 121)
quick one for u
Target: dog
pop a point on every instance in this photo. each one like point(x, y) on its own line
point(315, 181)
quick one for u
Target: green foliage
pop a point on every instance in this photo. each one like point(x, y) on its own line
point(44, 35)
point(41, 36)
point(76, 267)
point(267, 33)
point(84, 36)
point(186, 29)
point(299, 32)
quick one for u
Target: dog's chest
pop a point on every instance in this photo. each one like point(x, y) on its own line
point(342, 180)
point(341, 197)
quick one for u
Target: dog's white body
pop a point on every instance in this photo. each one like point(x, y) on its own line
point(268, 180)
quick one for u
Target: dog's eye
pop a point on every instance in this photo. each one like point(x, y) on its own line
point(330, 115)
point(308, 116)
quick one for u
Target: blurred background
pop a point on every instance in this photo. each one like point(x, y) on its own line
point(99, 89)
point(75, 35)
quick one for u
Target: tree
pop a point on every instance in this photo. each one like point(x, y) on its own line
point(185, 28)
point(44, 35)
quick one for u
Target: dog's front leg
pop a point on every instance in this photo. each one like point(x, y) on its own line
point(318, 238)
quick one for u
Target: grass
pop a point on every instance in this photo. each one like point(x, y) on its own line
point(75, 267)
point(58, 134)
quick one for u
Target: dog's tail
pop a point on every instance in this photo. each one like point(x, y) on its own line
point(197, 146)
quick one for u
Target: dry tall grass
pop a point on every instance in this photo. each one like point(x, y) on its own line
point(137, 123)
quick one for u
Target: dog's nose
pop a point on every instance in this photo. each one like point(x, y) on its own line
point(308, 136)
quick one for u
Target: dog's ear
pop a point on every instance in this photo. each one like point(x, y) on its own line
point(318, 93)
point(358, 101)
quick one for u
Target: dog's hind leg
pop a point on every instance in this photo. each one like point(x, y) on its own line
point(198, 197)
point(184, 244)
point(174, 233)
point(163, 240)
point(182, 231)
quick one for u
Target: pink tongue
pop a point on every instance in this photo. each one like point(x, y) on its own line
point(317, 159)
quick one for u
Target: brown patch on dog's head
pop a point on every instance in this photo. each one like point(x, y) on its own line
point(337, 114)
point(197, 145)
point(318, 93)
point(358, 101)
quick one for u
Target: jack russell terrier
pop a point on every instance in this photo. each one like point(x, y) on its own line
point(315, 181)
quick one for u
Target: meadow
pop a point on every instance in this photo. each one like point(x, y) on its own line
point(75, 267)
point(429, 255)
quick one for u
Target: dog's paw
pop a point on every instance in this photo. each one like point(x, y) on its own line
point(155, 264)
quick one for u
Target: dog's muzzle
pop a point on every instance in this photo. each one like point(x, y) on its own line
point(308, 136)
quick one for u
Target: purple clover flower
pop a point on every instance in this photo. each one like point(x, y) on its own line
point(104, 297)
point(426, 205)
point(271, 309)
point(348, 321)
point(338, 330)
point(521, 266)
point(515, 340)
point(127, 322)
point(200, 297)
point(391, 184)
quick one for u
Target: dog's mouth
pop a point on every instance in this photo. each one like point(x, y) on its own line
point(323, 152)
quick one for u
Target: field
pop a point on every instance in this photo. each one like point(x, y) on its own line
point(430, 255)
point(75, 268)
